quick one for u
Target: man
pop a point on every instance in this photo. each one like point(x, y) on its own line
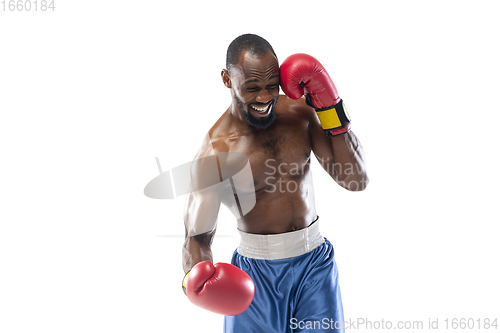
point(291, 265)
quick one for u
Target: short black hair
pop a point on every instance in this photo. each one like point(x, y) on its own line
point(257, 45)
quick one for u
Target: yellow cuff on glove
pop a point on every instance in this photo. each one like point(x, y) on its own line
point(184, 282)
point(331, 118)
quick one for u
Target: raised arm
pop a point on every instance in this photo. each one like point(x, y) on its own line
point(336, 147)
point(341, 156)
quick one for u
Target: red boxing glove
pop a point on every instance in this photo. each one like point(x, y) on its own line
point(302, 74)
point(220, 288)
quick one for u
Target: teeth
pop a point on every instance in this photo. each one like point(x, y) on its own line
point(261, 110)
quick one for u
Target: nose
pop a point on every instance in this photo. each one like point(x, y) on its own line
point(264, 96)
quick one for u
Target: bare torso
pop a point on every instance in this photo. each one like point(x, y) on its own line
point(278, 154)
point(279, 157)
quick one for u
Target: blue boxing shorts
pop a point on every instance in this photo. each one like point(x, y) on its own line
point(296, 283)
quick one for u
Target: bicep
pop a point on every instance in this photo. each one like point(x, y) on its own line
point(202, 208)
point(204, 199)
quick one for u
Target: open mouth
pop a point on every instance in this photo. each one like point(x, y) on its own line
point(263, 110)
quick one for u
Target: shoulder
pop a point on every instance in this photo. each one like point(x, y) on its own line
point(295, 111)
point(215, 161)
point(215, 139)
point(296, 107)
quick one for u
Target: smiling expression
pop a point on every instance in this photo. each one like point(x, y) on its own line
point(254, 83)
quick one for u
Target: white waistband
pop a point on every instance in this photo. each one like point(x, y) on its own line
point(280, 246)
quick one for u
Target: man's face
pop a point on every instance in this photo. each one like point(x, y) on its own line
point(255, 88)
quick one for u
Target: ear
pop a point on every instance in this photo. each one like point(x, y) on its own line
point(225, 78)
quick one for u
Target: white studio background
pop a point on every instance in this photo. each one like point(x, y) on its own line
point(92, 92)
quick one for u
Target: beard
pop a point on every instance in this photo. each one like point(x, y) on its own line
point(261, 122)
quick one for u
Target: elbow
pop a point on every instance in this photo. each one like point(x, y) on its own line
point(361, 185)
point(355, 184)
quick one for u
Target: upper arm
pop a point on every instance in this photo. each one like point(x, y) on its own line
point(217, 176)
point(200, 214)
point(205, 195)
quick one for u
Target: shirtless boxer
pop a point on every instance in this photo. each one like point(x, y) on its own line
point(290, 264)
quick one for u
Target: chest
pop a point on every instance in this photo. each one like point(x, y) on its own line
point(283, 152)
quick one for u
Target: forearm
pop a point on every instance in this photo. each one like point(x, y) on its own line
point(196, 249)
point(348, 165)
